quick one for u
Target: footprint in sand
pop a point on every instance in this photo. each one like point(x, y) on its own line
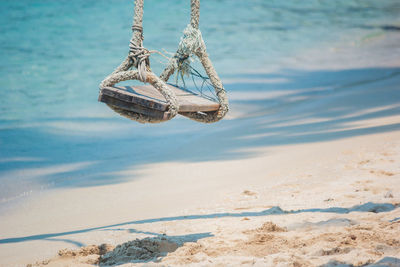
point(249, 193)
point(381, 172)
point(363, 162)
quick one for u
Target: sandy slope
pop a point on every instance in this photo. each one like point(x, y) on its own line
point(316, 182)
point(338, 206)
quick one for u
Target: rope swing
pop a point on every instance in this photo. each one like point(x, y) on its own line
point(145, 107)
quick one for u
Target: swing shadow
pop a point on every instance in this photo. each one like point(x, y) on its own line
point(366, 207)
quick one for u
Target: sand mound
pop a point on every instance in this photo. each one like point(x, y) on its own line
point(270, 227)
point(139, 250)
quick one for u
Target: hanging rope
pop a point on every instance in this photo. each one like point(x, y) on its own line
point(139, 58)
point(192, 43)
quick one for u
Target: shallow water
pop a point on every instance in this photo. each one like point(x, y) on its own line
point(54, 133)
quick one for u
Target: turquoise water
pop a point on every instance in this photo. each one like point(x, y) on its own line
point(55, 53)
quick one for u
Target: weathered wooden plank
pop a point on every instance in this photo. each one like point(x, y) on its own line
point(188, 102)
point(149, 97)
point(136, 108)
point(130, 95)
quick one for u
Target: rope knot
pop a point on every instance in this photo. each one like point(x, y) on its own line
point(139, 29)
point(191, 43)
point(140, 58)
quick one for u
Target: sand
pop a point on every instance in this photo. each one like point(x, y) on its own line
point(314, 183)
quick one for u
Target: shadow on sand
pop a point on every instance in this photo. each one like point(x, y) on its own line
point(385, 262)
point(290, 107)
point(367, 207)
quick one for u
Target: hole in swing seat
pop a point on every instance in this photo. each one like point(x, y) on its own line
point(147, 100)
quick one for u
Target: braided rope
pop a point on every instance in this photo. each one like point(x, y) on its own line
point(139, 58)
point(192, 43)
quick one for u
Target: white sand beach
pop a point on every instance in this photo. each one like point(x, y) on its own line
point(313, 181)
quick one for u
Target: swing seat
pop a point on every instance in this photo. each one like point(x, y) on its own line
point(146, 100)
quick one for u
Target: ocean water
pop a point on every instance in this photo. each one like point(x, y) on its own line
point(54, 133)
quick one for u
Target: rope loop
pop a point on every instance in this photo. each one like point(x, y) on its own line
point(192, 43)
point(137, 28)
